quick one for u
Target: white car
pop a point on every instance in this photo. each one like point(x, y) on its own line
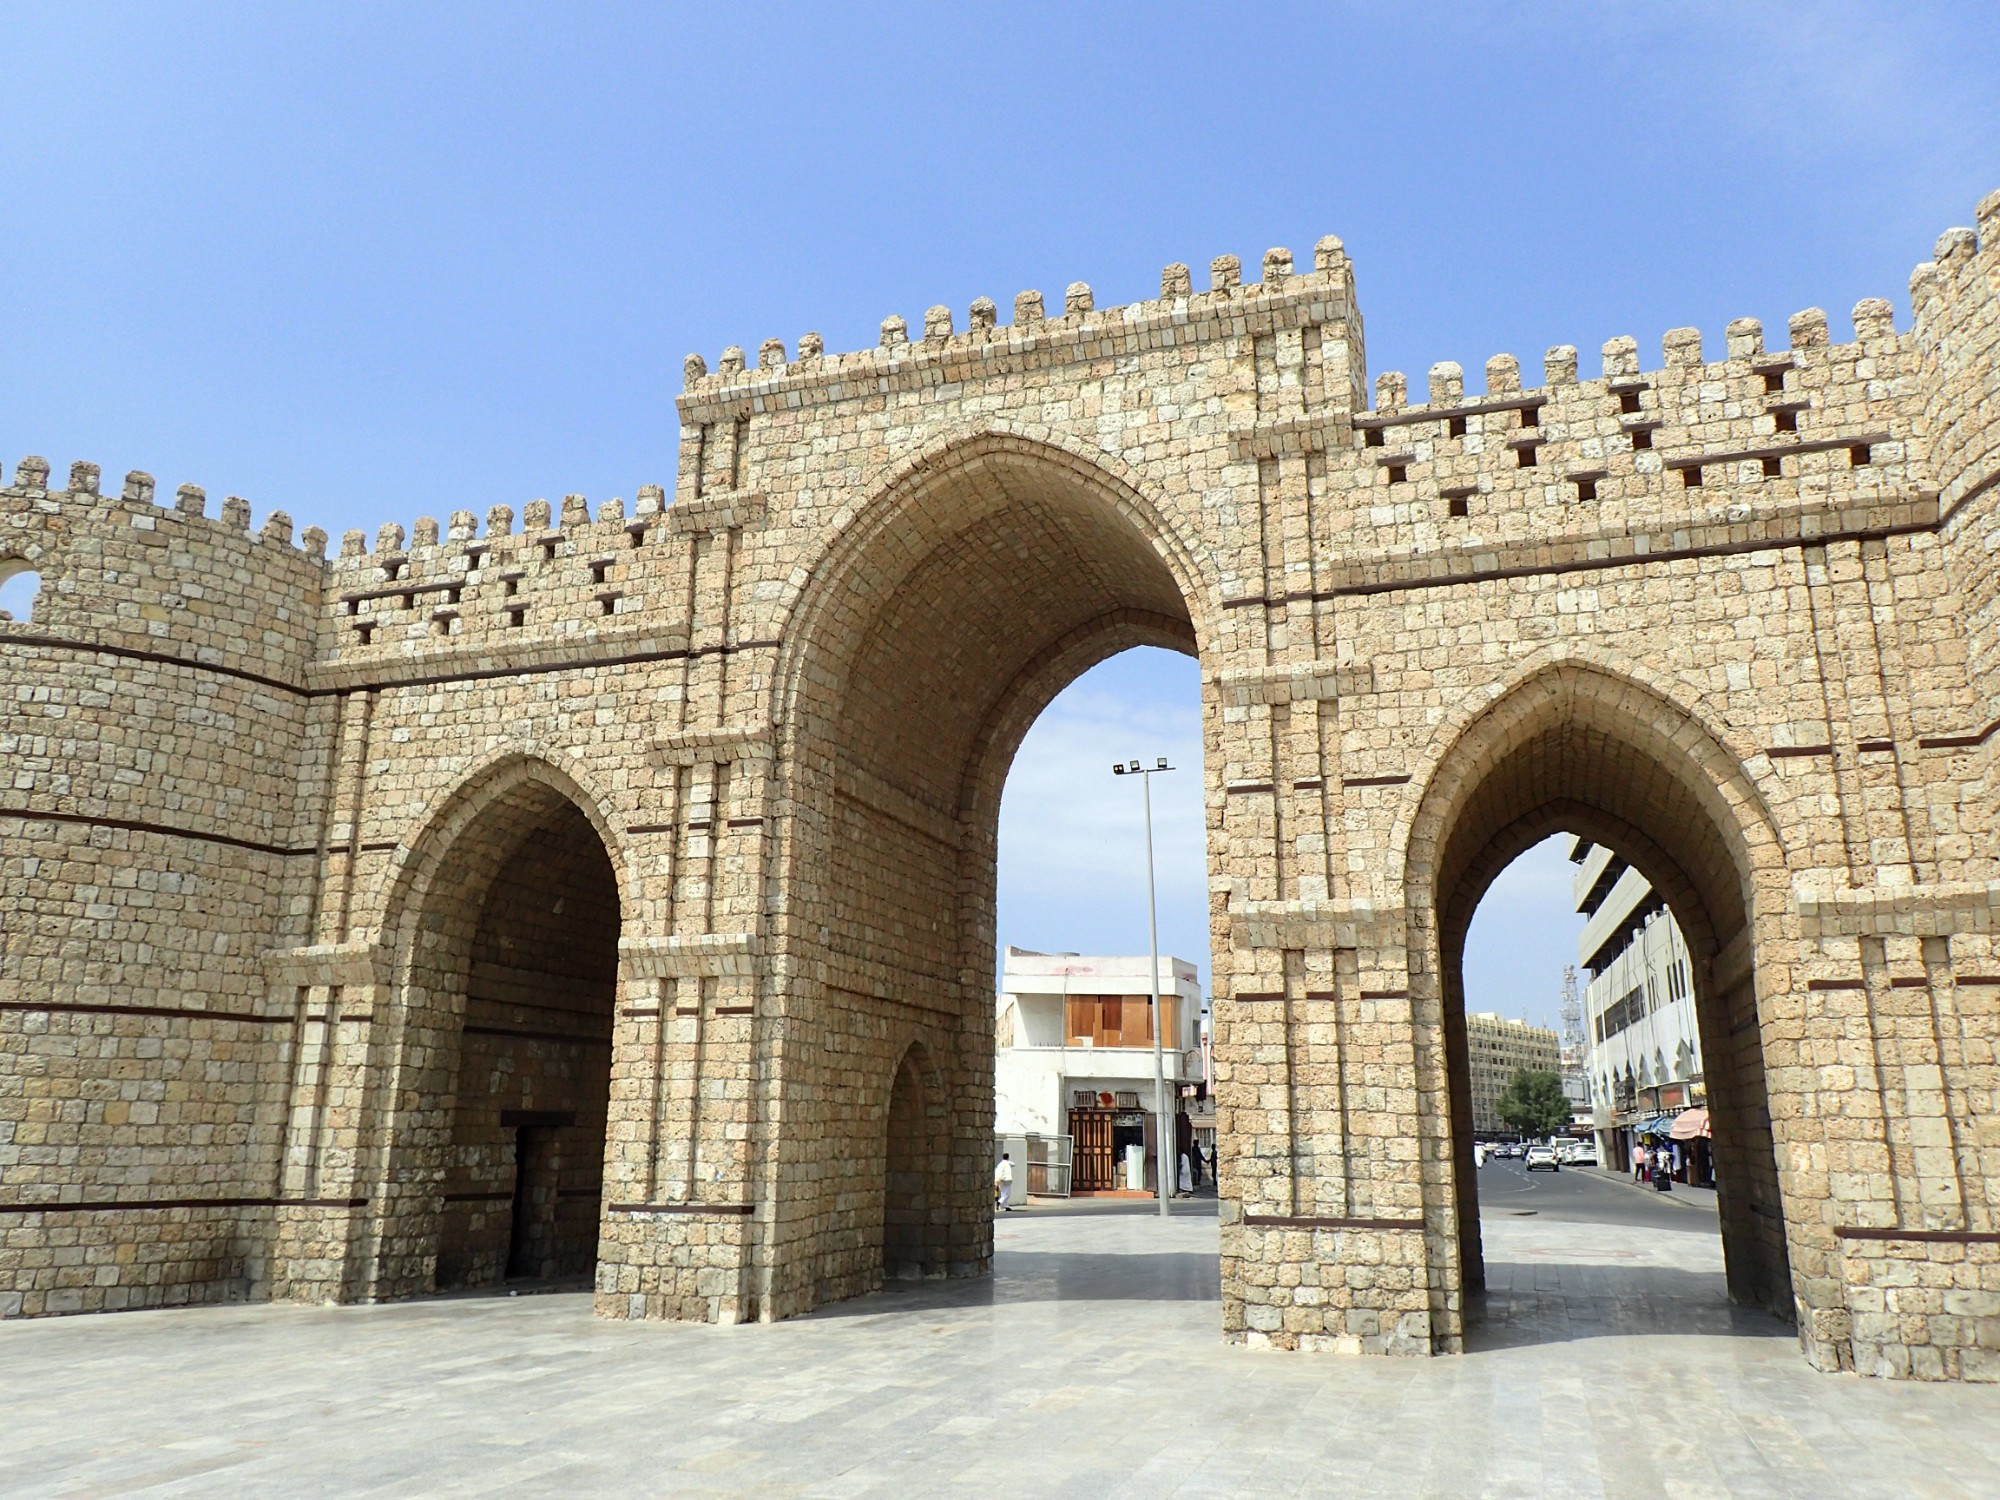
point(1540, 1155)
point(1579, 1154)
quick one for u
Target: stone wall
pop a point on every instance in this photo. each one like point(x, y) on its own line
point(1731, 615)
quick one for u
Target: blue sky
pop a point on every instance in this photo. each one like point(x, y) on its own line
point(367, 263)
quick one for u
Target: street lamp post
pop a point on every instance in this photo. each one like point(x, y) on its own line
point(1163, 1132)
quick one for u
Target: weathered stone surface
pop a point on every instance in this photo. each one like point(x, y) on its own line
point(317, 874)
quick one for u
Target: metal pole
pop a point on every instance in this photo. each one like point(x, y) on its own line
point(1166, 1142)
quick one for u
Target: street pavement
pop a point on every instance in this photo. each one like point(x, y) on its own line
point(1591, 1195)
point(1604, 1362)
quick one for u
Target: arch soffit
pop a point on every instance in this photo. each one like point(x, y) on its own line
point(1448, 769)
point(417, 868)
point(916, 1057)
point(1042, 680)
point(815, 582)
point(1683, 898)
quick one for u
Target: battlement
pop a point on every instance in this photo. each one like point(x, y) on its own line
point(123, 570)
point(31, 483)
point(1286, 297)
point(569, 574)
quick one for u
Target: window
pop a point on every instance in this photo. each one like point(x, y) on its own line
point(1114, 1020)
point(19, 589)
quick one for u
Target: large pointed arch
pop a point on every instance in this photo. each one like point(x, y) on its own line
point(975, 581)
point(1574, 746)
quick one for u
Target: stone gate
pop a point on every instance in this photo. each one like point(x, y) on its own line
point(616, 888)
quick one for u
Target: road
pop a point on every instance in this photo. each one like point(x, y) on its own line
point(1588, 1195)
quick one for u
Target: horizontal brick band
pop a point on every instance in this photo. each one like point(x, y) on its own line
point(738, 1210)
point(166, 830)
point(1797, 752)
point(68, 1008)
point(1291, 1221)
point(1778, 450)
point(126, 1205)
point(1373, 780)
point(1924, 1236)
point(1385, 994)
point(1836, 984)
point(1959, 741)
point(1579, 563)
point(132, 653)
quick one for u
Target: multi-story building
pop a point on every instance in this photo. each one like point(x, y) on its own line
point(1639, 1018)
point(1497, 1049)
point(1074, 1055)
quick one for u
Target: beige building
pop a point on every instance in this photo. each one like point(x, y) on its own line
point(1496, 1049)
point(610, 887)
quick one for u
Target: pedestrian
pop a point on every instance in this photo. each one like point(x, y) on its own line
point(1638, 1162)
point(1187, 1177)
point(1194, 1162)
point(1003, 1183)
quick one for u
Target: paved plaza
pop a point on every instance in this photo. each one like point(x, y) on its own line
point(1606, 1363)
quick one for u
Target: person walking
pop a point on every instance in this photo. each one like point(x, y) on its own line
point(1638, 1162)
point(1003, 1183)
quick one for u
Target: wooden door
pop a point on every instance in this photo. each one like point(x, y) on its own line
point(1092, 1164)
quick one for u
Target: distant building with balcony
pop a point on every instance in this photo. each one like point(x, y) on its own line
point(1496, 1049)
point(1074, 1055)
point(1639, 1020)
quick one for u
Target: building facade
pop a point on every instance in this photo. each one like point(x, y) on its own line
point(1497, 1048)
point(1074, 1056)
point(1639, 1013)
point(332, 886)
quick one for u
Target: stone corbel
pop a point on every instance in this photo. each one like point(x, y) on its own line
point(1936, 910)
point(1309, 682)
point(724, 742)
point(1318, 925)
point(346, 964)
point(691, 956)
point(722, 511)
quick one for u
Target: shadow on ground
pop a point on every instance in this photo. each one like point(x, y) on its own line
point(1033, 1276)
point(1526, 1304)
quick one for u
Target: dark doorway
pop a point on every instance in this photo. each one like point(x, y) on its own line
point(526, 1164)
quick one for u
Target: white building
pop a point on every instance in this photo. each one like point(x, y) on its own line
point(1644, 1050)
point(1074, 1047)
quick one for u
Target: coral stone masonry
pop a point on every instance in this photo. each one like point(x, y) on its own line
point(614, 888)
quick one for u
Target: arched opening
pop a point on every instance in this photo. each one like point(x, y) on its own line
point(912, 1244)
point(1580, 752)
point(946, 619)
point(508, 1002)
point(20, 589)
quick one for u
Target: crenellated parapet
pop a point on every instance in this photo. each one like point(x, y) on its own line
point(445, 598)
point(1956, 295)
point(125, 571)
point(1760, 443)
point(1287, 299)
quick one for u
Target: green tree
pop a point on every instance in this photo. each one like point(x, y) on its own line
point(1534, 1102)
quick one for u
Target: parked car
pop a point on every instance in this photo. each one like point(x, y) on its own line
point(1580, 1154)
point(1540, 1155)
